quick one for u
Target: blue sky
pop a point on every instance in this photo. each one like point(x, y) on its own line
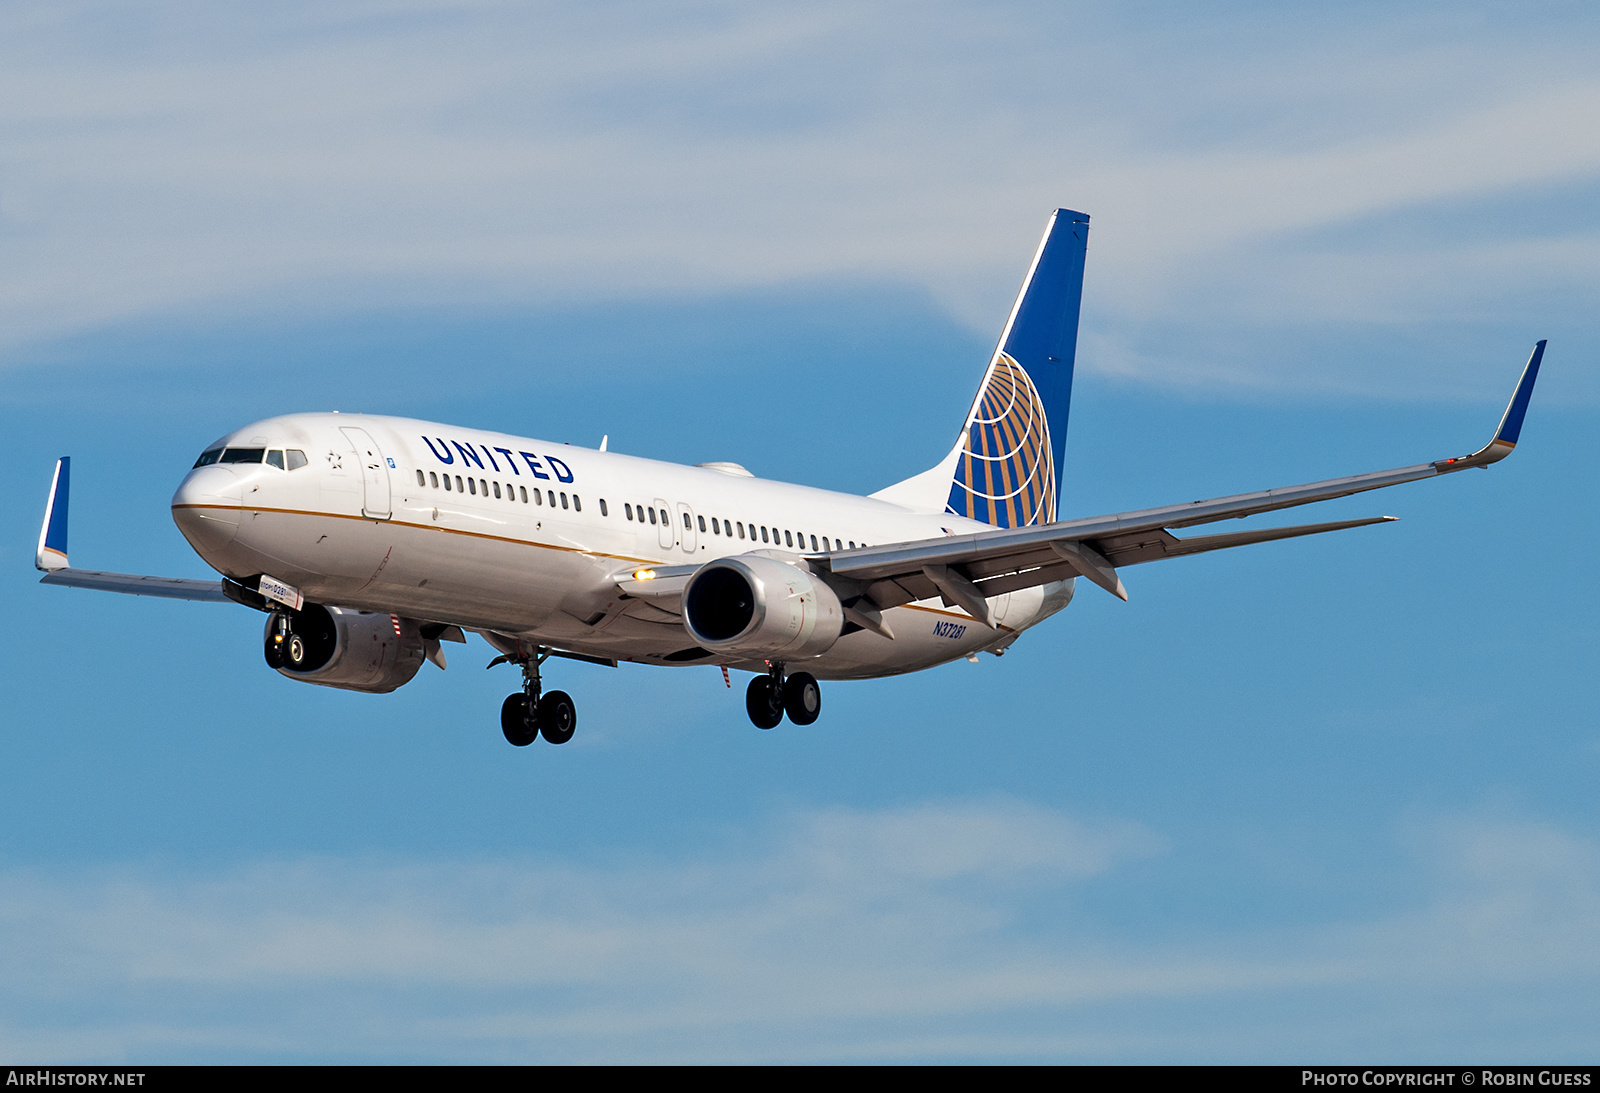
point(1328, 799)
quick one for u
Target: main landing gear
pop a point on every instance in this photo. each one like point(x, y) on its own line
point(771, 696)
point(525, 716)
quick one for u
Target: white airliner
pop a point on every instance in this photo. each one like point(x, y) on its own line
point(368, 540)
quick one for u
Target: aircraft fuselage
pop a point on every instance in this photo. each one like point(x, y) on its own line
point(525, 538)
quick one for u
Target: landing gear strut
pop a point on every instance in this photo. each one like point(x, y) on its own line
point(277, 640)
point(772, 695)
point(525, 716)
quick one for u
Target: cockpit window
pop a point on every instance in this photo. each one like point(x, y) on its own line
point(208, 457)
point(296, 457)
point(242, 455)
point(275, 459)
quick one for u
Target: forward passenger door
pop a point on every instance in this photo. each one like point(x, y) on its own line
point(374, 473)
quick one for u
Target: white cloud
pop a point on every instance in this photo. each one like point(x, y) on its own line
point(191, 159)
point(938, 931)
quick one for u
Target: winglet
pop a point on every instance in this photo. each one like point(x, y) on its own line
point(1505, 437)
point(52, 553)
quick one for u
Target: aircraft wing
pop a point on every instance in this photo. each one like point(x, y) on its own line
point(171, 588)
point(965, 569)
point(52, 558)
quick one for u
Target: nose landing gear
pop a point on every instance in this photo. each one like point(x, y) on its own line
point(525, 716)
point(300, 641)
point(770, 696)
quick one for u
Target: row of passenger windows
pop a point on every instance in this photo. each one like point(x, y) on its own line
point(482, 487)
point(731, 528)
point(291, 459)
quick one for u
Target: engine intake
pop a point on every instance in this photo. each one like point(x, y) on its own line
point(758, 606)
point(351, 650)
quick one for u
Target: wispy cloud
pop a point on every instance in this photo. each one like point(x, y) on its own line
point(177, 158)
point(942, 930)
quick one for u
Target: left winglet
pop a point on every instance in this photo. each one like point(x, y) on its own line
point(52, 553)
point(1505, 437)
point(52, 558)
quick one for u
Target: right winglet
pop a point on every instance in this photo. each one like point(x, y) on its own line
point(52, 552)
point(1505, 437)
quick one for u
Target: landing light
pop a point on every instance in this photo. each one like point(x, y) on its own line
point(644, 574)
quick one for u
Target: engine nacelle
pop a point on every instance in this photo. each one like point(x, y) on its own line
point(760, 607)
point(352, 650)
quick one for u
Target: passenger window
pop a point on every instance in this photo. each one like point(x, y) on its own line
point(208, 458)
point(652, 516)
point(523, 490)
point(447, 483)
point(739, 524)
point(295, 458)
point(485, 486)
point(421, 478)
point(852, 544)
point(603, 511)
point(563, 500)
point(814, 542)
point(275, 458)
point(551, 496)
point(702, 521)
point(538, 498)
point(472, 485)
point(788, 540)
point(763, 535)
point(433, 477)
point(838, 545)
point(458, 484)
point(497, 491)
point(627, 510)
point(577, 503)
point(714, 529)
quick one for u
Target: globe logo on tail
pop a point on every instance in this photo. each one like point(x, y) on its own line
point(1005, 475)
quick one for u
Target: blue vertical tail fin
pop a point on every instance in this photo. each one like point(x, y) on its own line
point(1004, 468)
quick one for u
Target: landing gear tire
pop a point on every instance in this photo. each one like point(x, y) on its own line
point(296, 653)
point(763, 701)
point(558, 717)
point(802, 698)
point(517, 720)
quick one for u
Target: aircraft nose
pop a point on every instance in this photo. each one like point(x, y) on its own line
point(206, 507)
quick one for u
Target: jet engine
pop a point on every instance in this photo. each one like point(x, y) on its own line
point(761, 607)
point(339, 647)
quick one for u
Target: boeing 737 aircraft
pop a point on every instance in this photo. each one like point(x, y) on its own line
point(367, 541)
